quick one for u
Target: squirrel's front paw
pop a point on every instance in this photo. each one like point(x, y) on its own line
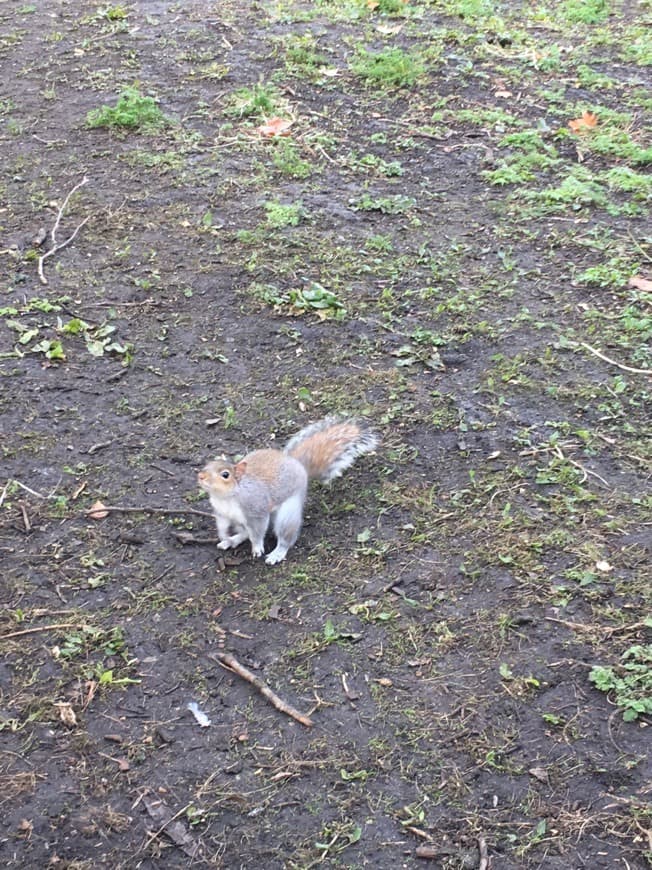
point(257, 552)
point(225, 544)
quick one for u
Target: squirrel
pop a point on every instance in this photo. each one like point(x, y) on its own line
point(272, 484)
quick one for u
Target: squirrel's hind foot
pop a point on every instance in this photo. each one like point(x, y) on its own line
point(277, 555)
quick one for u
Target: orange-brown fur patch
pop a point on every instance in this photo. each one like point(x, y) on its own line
point(319, 451)
point(264, 465)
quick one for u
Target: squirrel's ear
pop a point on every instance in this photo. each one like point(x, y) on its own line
point(239, 470)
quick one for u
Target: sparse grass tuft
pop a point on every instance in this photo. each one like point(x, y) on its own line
point(133, 111)
point(389, 68)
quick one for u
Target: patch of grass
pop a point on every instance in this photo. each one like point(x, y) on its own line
point(279, 215)
point(389, 68)
point(614, 273)
point(302, 56)
point(163, 160)
point(612, 136)
point(371, 162)
point(287, 160)
point(258, 101)
point(630, 681)
point(585, 11)
point(385, 204)
point(133, 111)
point(637, 46)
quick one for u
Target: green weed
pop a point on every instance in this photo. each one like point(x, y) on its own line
point(279, 215)
point(389, 68)
point(630, 681)
point(585, 11)
point(397, 204)
point(133, 111)
point(258, 101)
point(287, 160)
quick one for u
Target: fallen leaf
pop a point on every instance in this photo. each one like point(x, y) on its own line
point(167, 824)
point(586, 122)
point(640, 283)
point(275, 127)
point(539, 773)
point(66, 714)
point(97, 511)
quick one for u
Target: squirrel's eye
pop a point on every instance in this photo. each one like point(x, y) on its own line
point(225, 474)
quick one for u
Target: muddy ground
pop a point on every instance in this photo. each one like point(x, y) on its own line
point(429, 246)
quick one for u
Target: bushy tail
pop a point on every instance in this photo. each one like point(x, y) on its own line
point(330, 446)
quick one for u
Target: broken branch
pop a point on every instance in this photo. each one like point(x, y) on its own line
point(94, 514)
point(56, 246)
point(58, 627)
point(233, 664)
point(613, 362)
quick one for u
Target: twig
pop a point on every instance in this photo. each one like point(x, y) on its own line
point(26, 522)
point(613, 362)
point(26, 488)
point(146, 510)
point(227, 659)
point(576, 464)
point(484, 855)
point(167, 822)
point(53, 232)
point(609, 630)
point(57, 627)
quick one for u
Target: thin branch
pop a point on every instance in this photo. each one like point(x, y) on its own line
point(484, 854)
point(609, 630)
point(145, 510)
point(227, 659)
point(57, 246)
point(58, 627)
point(613, 362)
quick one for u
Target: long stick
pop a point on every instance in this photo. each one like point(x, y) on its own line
point(61, 625)
point(232, 663)
point(53, 232)
point(613, 362)
point(145, 510)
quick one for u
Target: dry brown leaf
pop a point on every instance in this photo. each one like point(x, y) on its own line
point(275, 127)
point(97, 511)
point(66, 714)
point(539, 773)
point(640, 283)
point(586, 122)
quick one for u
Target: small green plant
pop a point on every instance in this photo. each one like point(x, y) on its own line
point(318, 299)
point(302, 56)
point(257, 102)
point(397, 204)
point(133, 111)
point(389, 68)
point(585, 11)
point(279, 215)
point(630, 681)
point(286, 159)
point(614, 273)
point(115, 13)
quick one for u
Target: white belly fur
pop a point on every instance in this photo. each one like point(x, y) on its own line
point(229, 509)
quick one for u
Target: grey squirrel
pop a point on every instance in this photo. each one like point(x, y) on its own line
point(272, 484)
